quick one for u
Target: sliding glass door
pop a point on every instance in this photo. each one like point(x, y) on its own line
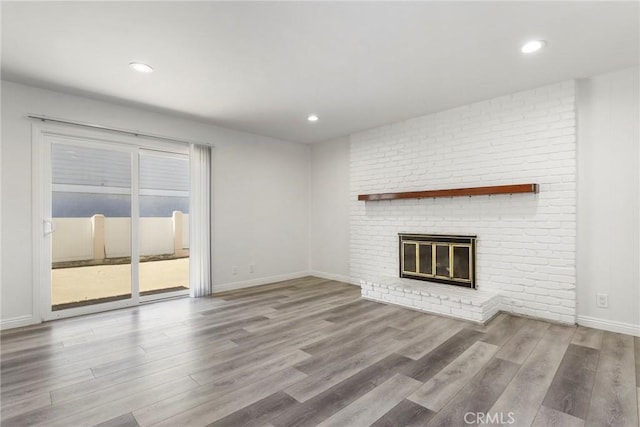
point(116, 225)
point(164, 223)
point(91, 235)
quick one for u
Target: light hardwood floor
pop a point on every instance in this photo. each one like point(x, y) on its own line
point(310, 352)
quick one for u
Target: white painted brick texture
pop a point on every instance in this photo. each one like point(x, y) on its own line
point(467, 304)
point(526, 243)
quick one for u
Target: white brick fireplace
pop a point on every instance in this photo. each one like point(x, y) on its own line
point(526, 243)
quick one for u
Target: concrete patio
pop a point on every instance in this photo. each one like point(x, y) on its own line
point(78, 284)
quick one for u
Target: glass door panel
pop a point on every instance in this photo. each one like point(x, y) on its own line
point(91, 204)
point(164, 223)
point(409, 250)
point(426, 258)
point(442, 261)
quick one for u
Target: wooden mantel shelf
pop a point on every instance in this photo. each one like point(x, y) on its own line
point(453, 192)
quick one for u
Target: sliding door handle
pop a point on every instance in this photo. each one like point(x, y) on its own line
point(49, 227)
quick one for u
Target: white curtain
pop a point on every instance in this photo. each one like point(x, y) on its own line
point(200, 280)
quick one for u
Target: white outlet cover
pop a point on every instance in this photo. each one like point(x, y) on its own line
point(602, 300)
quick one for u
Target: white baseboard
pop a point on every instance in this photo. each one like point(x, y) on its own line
point(257, 282)
point(332, 276)
point(17, 322)
point(609, 325)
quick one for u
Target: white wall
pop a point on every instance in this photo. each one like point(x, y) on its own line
point(526, 242)
point(608, 196)
point(156, 236)
point(260, 193)
point(72, 240)
point(117, 237)
point(185, 231)
point(329, 215)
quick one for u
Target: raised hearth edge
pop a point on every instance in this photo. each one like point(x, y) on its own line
point(461, 303)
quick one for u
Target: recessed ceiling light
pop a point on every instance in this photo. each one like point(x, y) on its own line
point(533, 46)
point(140, 67)
point(312, 118)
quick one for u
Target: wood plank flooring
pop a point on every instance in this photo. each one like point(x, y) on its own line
point(310, 352)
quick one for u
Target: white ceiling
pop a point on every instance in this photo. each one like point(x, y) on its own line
point(263, 67)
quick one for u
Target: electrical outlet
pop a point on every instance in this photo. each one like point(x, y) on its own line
point(602, 300)
point(252, 268)
point(234, 270)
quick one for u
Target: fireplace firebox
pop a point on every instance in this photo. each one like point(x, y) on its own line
point(438, 258)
